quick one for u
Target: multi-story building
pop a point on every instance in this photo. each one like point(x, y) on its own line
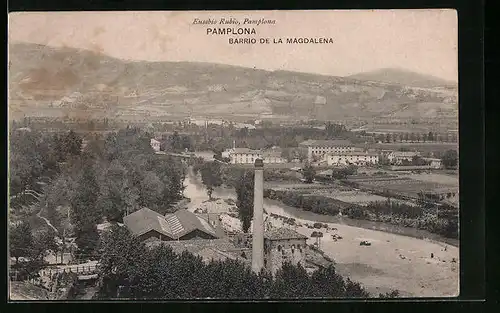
point(397, 157)
point(248, 156)
point(155, 144)
point(316, 149)
point(355, 158)
point(244, 156)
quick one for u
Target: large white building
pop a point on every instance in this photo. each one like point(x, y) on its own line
point(155, 144)
point(397, 157)
point(244, 156)
point(355, 158)
point(316, 149)
point(248, 156)
point(433, 162)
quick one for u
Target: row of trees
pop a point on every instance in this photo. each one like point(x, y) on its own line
point(35, 155)
point(445, 224)
point(128, 269)
point(414, 137)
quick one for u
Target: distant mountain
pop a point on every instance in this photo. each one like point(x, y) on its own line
point(52, 81)
point(403, 77)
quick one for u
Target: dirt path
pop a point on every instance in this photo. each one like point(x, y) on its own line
point(47, 221)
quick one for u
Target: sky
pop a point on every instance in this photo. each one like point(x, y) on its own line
point(423, 41)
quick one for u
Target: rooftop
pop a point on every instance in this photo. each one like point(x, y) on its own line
point(282, 234)
point(405, 153)
point(246, 150)
point(325, 143)
point(354, 153)
point(208, 249)
point(173, 225)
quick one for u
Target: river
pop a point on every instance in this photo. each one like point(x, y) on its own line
point(197, 193)
point(399, 257)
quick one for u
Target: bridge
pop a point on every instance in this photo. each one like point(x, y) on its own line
point(84, 271)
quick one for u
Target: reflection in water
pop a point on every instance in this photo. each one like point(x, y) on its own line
point(197, 193)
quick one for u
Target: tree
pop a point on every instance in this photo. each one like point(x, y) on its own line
point(291, 282)
point(45, 241)
point(318, 235)
point(390, 295)
point(327, 282)
point(430, 136)
point(211, 176)
point(450, 159)
point(120, 260)
point(309, 173)
point(130, 270)
point(388, 138)
point(151, 190)
point(72, 143)
point(245, 193)
point(21, 242)
point(355, 290)
point(85, 211)
point(84, 203)
point(176, 142)
point(87, 241)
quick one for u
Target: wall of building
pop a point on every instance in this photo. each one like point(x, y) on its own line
point(319, 152)
point(351, 159)
point(274, 159)
point(197, 234)
point(152, 235)
point(277, 252)
point(244, 158)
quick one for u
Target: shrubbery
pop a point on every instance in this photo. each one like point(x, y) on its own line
point(316, 204)
point(407, 216)
point(128, 269)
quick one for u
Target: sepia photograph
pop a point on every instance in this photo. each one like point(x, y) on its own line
point(245, 155)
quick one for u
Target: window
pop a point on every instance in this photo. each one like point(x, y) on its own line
point(279, 247)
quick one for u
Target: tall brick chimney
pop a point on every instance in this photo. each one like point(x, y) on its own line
point(258, 218)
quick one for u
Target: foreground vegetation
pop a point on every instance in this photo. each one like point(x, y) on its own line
point(129, 269)
point(110, 177)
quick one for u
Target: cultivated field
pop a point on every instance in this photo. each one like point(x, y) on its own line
point(403, 185)
point(441, 179)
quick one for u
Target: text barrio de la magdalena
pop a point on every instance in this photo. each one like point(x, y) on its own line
point(244, 31)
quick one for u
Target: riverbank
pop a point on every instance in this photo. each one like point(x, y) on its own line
point(393, 261)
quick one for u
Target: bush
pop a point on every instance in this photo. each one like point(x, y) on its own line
point(317, 225)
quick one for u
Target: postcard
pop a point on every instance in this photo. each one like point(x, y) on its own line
point(251, 155)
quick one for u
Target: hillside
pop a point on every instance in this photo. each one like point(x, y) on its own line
point(79, 83)
point(403, 77)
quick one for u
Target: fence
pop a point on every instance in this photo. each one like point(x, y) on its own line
point(83, 270)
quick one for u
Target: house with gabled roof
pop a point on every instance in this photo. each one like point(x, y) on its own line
point(149, 225)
